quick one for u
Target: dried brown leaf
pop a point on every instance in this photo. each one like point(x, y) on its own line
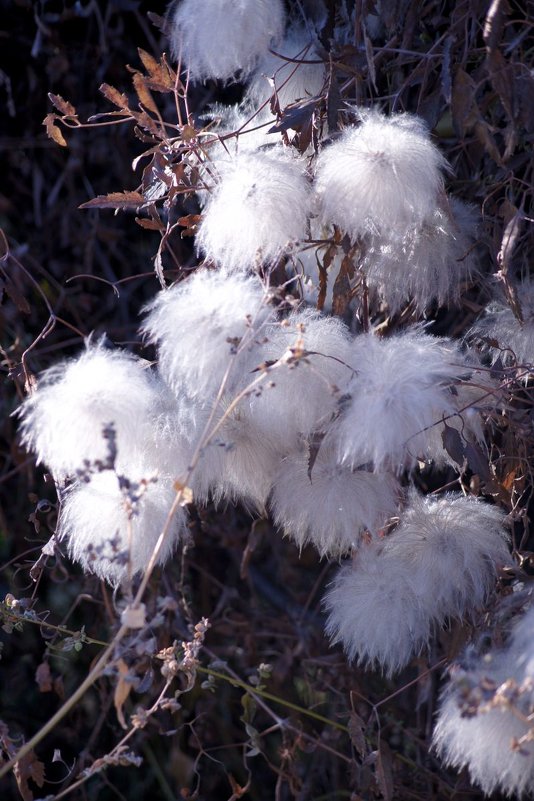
point(43, 677)
point(384, 771)
point(122, 691)
point(115, 200)
point(29, 767)
point(63, 106)
point(356, 728)
point(143, 92)
point(151, 225)
point(52, 131)
point(114, 96)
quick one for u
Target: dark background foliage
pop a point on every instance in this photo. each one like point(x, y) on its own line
point(468, 75)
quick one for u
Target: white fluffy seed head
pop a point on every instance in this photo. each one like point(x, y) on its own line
point(374, 612)
point(477, 731)
point(404, 388)
point(427, 264)
point(330, 506)
point(381, 176)
point(221, 39)
point(257, 211)
point(451, 547)
point(292, 81)
point(514, 340)
point(64, 420)
point(441, 561)
point(205, 326)
point(104, 530)
point(299, 393)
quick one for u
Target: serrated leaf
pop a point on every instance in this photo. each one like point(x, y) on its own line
point(115, 200)
point(143, 92)
point(63, 106)
point(114, 96)
point(151, 225)
point(52, 131)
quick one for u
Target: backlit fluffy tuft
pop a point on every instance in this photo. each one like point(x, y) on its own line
point(404, 388)
point(104, 530)
point(451, 547)
point(427, 264)
point(331, 507)
point(300, 393)
point(256, 212)
point(64, 420)
point(292, 81)
point(440, 562)
point(381, 176)
point(205, 325)
point(515, 340)
point(221, 39)
point(375, 613)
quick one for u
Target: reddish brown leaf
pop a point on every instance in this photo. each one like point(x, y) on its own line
point(43, 677)
point(114, 96)
point(29, 767)
point(63, 106)
point(151, 225)
point(115, 200)
point(143, 92)
point(52, 131)
point(122, 691)
point(161, 77)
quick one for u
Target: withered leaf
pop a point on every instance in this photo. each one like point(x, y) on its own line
point(151, 225)
point(43, 677)
point(114, 96)
point(52, 131)
point(161, 76)
point(384, 771)
point(29, 767)
point(143, 92)
point(115, 200)
point(123, 689)
point(63, 106)
point(356, 731)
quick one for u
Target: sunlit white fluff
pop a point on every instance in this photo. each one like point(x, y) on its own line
point(375, 613)
point(381, 176)
point(475, 730)
point(256, 212)
point(292, 81)
point(221, 39)
point(63, 421)
point(237, 463)
point(310, 354)
point(441, 561)
point(427, 264)
point(514, 340)
point(404, 388)
point(451, 547)
point(103, 530)
point(333, 505)
point(204, 326)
